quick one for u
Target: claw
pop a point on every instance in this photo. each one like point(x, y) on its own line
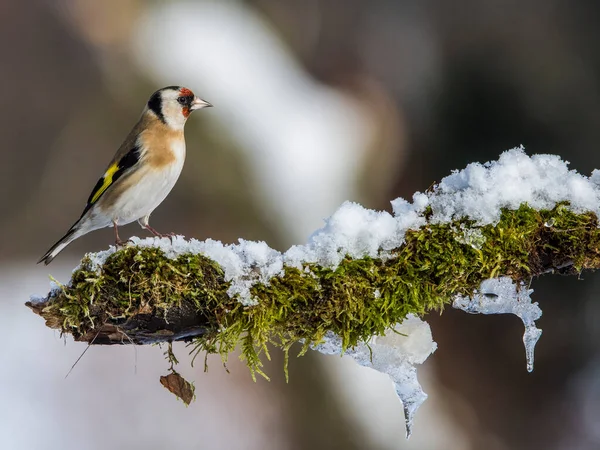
point(118, 241)
point(160, 235)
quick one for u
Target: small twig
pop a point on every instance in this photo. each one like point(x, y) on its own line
point(82, 353)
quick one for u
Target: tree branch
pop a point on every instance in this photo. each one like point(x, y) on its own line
point(364, 274)
point(141, 296)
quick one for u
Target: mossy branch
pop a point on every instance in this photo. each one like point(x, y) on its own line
point(140, 296)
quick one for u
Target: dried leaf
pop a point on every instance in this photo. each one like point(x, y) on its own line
point(177, 385)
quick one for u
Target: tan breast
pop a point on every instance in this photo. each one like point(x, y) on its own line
point(162, 144)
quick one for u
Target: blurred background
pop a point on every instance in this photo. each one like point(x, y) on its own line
point(316, 102)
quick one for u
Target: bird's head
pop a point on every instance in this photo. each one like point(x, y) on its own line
point(174, 104)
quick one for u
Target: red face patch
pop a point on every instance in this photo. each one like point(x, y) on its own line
point(185, 92)
point(185, 111)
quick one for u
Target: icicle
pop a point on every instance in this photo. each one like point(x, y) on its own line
point(409, 391)
point(503, 296)
point(396, 355)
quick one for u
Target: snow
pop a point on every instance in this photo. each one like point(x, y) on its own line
point(352, 230)
point(503, 296)
point(54, 291)
point(478, 192)
point(395, 354)
point(244, 264)
point(481, 190)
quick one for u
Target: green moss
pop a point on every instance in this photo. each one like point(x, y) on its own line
point(359, 299)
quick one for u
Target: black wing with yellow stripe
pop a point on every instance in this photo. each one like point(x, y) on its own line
point(112, 174)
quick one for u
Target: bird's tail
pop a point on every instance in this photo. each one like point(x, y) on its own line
point(73, 233)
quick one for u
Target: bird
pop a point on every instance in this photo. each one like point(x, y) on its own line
point(142, 172)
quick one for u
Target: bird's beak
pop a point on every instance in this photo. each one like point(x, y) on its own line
point(198, 103)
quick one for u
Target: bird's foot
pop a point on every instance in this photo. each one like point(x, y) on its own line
point(170, 236)
point(121, 243)
point(160, 235)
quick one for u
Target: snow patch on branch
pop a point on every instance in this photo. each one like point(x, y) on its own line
point(478, 192)
point(244, 264)
point(396, 355)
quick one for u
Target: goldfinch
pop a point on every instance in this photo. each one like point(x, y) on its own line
point(142, 172)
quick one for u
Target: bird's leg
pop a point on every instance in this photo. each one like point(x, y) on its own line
point(118, 241)
point(144, 223)
point(153, 231)
point(160, 235)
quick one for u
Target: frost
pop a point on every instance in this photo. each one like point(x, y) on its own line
point(396, 355)
point(503, 296)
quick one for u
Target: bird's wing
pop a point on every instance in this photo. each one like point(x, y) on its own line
point(124, 160)
point(112, 174)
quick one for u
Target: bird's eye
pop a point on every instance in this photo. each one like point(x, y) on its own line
point(182, 100)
